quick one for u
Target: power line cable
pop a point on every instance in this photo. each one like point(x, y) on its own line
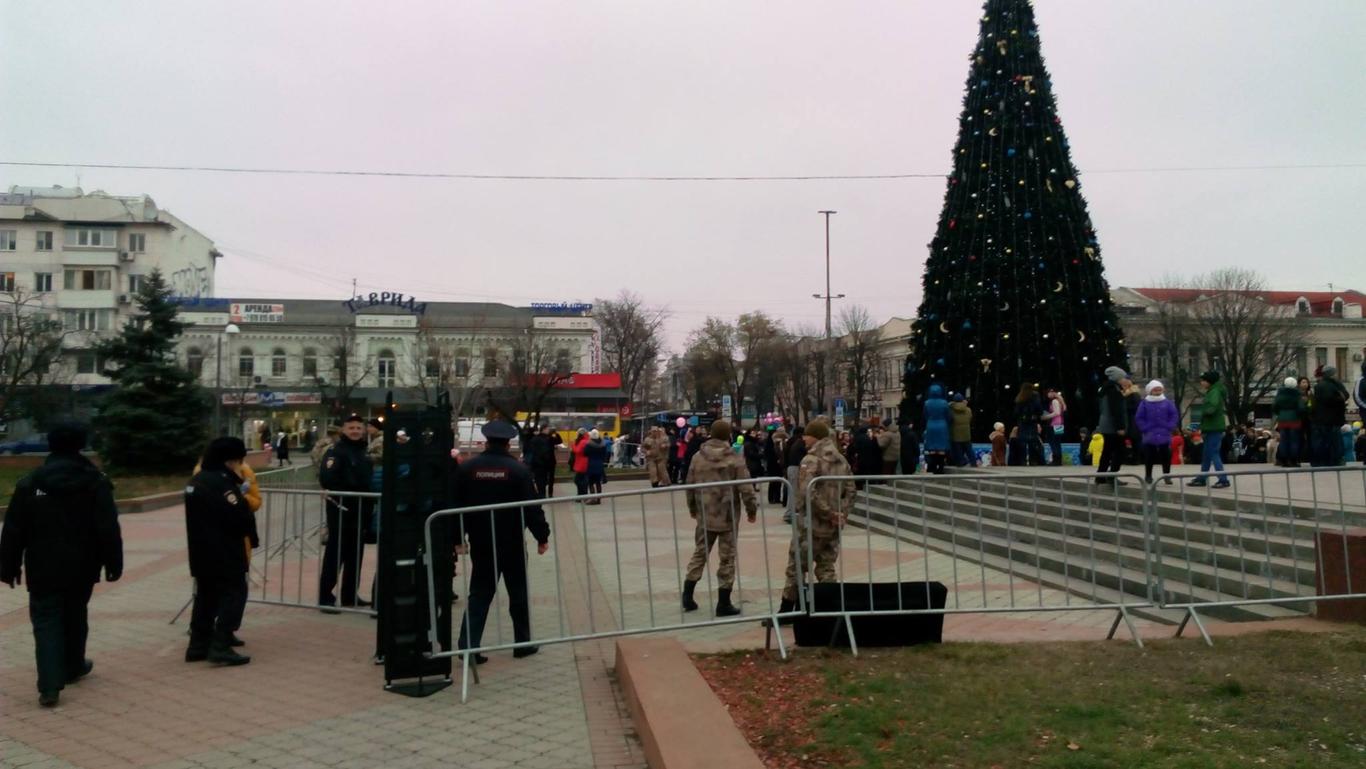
point(614, 178)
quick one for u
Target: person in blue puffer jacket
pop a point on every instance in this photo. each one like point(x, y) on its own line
point(936, 436)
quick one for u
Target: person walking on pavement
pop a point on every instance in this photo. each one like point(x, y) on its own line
point(716, 512)
point(1056, 408)
point(889, 442)
point(910, 449)
point(936, 437)
point(1213, 422)
point(775, 450)
point(1327, 416)
point(282, 450)
point(792, 460)
point(1156, 418)
point(596, 453)
point(656, 448)
point(961, 431)
point(497, 543)
point(541, 451)
point(1289, 409)
point(60, 532)
point(1028, 414)
point(221, 532)
point(817, 549)
point(347, 469)
point(1114, 422)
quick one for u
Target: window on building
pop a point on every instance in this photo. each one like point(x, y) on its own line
point(9, 240)
point(1320, 357)
point(44, 240)
point(385, 368)
point(279, 364)
point(461, 364)
point(432, 366)
point(1342, 362)
point(490, 362)
point(87, 362)
point(1193, 368)
point(1160, 363)
point(194, 362)
point(87, 237)
point(137, 242)
point(6, 282)
point(1301, 360)
point(562, 364)
point(135, 283)
point(310, 362)
point(246, 363)
point(86, 280)
point(1302, 306)
point(86, 320)
point(42, 282)
point(1337, 306)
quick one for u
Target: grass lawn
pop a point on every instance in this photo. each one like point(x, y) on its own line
point(124, 486)
point(1277, 699)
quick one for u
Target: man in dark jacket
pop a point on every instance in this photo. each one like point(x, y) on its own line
point(221, 531)
point(910, 449)
point(1327, 415)
point(61, 529)
point(346, 467)
point(1114, 421)
point(541, 455)
point(496, 541)
point(867, 454)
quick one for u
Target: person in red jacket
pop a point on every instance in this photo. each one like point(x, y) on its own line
point(579, 462)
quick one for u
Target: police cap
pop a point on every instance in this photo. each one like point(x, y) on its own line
point(499, 430)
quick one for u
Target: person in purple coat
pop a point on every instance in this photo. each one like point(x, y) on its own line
point(1156, 418)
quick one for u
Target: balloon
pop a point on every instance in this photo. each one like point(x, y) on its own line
point(681, 422)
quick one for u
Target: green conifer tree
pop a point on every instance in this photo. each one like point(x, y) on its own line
point(155, 419)
point(1014, 288)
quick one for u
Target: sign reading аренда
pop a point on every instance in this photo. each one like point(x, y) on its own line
point(256, 313)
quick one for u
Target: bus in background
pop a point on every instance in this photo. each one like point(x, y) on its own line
point(567, 423)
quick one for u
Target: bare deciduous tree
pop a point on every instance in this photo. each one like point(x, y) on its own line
point(534, 369)
point(731, 355)
point(857, 352)
point(442, 363)
point(1251, 342)
point(632, 337)
point(30, 347)
point(349, 367)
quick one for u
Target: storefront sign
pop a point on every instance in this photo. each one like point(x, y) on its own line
point(562, 307)
point(202, 303)
point(256, 313)
point(269, 399)
point(385, 299)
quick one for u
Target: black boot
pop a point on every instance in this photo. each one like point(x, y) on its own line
point(220, 651)
point(724, 608)
point(688, 587)
point(75, 675)
point(198, 650)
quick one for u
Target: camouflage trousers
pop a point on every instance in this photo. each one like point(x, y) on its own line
point(824, 551)
point(725, 571)
point(659, 471)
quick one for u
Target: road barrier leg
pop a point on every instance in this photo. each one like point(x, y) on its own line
point(1191, 615)
point(1123, 615)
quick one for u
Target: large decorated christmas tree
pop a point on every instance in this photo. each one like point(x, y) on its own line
point(1014, 288)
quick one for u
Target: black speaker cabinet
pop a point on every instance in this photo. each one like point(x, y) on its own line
point(874, 630)
point(418, 473)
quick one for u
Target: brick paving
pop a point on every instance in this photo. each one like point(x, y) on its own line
point(312, 697)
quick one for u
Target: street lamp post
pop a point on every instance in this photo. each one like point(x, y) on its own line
point(828, 297)
point(231, 328)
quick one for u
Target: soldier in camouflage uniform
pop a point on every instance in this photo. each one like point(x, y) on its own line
point(830, 503)
point(716, 511)
point(656, 448)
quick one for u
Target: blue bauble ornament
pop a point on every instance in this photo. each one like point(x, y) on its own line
point(939, 362)
point(967, 325)
point(1010, 152)
point(1028, 215)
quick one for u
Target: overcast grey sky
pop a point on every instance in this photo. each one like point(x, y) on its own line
point(667, 88)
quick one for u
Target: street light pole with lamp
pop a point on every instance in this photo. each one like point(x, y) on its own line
point(829, 327)
point(231, 328)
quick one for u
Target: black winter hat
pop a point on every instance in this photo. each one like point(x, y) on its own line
point(1210, 376)
point(67, 437)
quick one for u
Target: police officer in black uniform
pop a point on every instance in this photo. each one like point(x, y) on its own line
point(221, 531)
point(62, 528)
point(345, 467)
point(496, 540)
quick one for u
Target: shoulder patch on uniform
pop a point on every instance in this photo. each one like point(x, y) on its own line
point(231, 496)
point(331, 461)
point(189, 489)
point(495, 474)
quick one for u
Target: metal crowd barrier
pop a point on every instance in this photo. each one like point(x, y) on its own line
point(301, 476)
point(644, 535)
point(295, 527)
point(1039, 543)
point(1275, 538)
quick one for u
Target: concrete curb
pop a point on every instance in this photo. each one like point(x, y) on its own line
point(681, 722)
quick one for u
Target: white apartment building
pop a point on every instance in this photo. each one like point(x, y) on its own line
point(80, 256)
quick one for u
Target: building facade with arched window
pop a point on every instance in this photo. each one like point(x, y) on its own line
point(295, 361)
